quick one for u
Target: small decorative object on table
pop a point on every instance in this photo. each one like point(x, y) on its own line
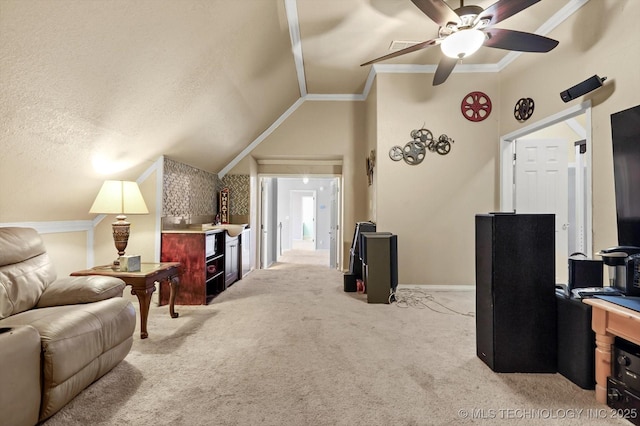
point(129, 263)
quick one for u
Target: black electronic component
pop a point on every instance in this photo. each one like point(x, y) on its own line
point(583, 88)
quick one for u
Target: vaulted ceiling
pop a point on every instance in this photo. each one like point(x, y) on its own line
point(104, 86)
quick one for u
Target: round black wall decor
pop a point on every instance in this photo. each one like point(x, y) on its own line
point(523, 109)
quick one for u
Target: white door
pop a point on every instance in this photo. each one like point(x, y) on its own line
point(309, 219)
point(267, 228)
point(302, 218)
point(541, 186)
point(333, 226)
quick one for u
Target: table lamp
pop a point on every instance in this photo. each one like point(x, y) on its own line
point(120, 198)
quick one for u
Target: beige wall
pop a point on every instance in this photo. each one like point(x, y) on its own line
point(67, 250)
point(431, 206)
point(601, 38)
point(326, 129)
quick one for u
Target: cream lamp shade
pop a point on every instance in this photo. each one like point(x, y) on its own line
point(121, 198)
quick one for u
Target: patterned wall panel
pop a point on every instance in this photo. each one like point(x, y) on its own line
point(239, 192)
point(188, 191)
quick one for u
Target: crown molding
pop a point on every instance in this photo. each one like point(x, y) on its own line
point(291, 10)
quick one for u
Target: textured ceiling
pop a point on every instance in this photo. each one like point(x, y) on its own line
point(104, 87)
point(339, 35)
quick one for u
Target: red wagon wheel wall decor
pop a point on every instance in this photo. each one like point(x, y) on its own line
point(476, 106)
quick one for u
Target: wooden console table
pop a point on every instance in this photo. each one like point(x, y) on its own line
point(609, 320)
point(143, 284)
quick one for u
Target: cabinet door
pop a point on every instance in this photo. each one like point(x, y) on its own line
point(245, 255)
point(231, 260)
point(227, 262)
point(189, 250)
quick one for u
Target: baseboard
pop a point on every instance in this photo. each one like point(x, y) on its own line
point(437, 287)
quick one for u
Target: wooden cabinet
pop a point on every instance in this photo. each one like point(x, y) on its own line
point(202, 257)
point(232, 258)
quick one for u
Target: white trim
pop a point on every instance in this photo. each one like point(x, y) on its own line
point(367, 86)
point(573, 124)
point(559, 117)
point(260, 138)
point(335, 97)
point(301, 162)
point(558, 18)
point(437, 287)
point(507, 149)
point(53, 227)
point(291, 10)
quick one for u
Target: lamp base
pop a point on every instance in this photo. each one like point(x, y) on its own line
point(121, 230)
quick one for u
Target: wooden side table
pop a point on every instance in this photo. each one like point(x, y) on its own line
point(609, 320)
point(143, 284)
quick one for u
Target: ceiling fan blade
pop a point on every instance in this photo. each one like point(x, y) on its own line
point(518, 41)
point(438, 11)
point(406, 50)
point(445, 67)
point(503, 9)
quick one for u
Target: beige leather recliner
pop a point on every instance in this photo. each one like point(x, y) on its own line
point(57, 336)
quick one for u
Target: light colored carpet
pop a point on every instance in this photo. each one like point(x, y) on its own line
point(305, 257)
point(287, 346)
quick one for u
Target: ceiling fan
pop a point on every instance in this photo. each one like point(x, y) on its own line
point(464, 30)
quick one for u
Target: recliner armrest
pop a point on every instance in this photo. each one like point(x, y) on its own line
point(20, 385)
point(74, 290)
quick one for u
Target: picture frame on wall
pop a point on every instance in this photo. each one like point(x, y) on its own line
point(224, 205)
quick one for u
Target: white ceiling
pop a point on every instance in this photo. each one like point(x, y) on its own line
point(107, 86)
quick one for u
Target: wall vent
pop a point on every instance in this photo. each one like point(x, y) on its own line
point(401, 44)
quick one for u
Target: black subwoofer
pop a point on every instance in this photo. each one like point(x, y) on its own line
point(576, 342)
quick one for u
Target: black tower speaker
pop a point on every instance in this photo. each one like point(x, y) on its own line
point(515, 292)
point(380, 265)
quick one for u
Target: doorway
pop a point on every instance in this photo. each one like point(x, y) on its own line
point(559, 149)
point(302, 214)
point(541, 186)
point(299, 222)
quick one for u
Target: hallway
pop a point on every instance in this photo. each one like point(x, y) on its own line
point(302, 253)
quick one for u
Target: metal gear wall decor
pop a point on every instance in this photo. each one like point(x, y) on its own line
point(414, 151)
point(523, 109)
point(442, 146)
point(476, 106)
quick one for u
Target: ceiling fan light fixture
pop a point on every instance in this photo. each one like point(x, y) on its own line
point(462, 43)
